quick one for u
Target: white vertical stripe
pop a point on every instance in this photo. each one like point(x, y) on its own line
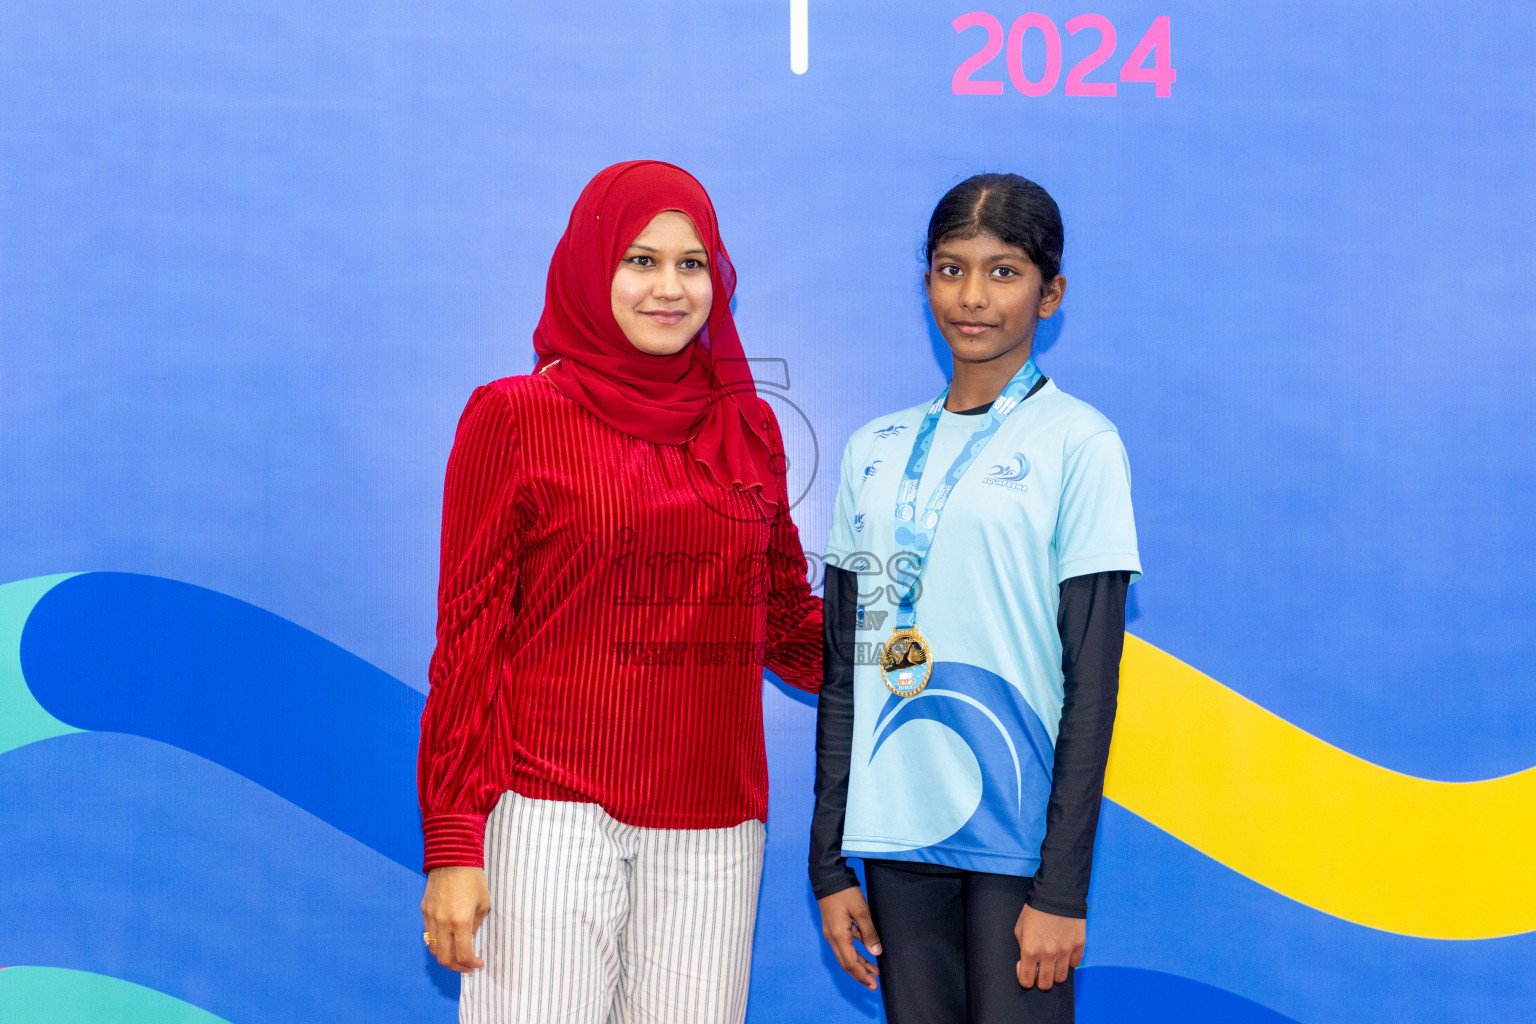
point(799, 36)
point(596, 922)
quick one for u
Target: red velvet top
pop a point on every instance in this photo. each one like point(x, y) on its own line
point(604, 614)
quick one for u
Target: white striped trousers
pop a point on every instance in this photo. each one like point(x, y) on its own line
point(596, 922)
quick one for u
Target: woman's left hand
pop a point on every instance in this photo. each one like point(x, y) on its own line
point(456, 901)
point(1048, 946)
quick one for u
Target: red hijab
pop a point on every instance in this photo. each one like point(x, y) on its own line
point(702, 396)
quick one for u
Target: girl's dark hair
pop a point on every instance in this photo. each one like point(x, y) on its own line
point(1009, 206)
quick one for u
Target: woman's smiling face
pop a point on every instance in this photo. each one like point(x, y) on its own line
point(661, 291)
point(987, 297)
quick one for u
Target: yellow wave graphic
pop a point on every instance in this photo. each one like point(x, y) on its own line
point(1443, 860)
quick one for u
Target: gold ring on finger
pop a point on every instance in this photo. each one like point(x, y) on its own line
point(428, 938)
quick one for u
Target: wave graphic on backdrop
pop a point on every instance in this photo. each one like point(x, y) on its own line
point(22, 719)
point(1128, 994)
point(236, 797)
point(1313, 822)
point(54, 995)
point(133, 859)
point(204, 801)
point(246, 689)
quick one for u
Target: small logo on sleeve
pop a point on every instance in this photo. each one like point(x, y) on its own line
point(893, 430)
point(858, 522)
point(1010, 474)
point(871, 469)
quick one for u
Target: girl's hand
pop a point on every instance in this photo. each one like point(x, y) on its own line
point(457, 900)
point(1048, 945)
point(845, 917)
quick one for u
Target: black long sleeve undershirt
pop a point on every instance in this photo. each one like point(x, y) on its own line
point(1091, 622)
point(830, 872)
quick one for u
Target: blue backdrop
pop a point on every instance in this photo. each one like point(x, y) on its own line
point(254, 257)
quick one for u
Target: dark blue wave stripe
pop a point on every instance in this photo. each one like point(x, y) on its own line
point(1129, 995)
point(242, 687)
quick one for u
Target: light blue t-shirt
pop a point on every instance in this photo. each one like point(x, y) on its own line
point(961, 773)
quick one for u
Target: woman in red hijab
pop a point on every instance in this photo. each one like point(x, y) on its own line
point(618, 566)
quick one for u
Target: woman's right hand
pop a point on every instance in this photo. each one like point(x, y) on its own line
point(845, 917)
point(457, 900)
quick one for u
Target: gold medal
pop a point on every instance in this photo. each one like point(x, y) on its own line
point(906, 662)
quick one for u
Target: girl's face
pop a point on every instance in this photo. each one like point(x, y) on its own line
point(987, 297)
point(661, 291)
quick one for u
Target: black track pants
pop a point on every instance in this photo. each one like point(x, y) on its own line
point(950, 955)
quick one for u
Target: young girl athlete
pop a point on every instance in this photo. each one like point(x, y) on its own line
point(984, 545)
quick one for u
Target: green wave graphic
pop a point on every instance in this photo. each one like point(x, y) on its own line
point(22, 719)
point(55, 995)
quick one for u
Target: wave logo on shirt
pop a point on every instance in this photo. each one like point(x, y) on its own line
point(894, 430)
point(871, 469)
point(1013, 752)
point(1010, 474)
point(858, 523)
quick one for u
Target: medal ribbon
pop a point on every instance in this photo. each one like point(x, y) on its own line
point(917, 537)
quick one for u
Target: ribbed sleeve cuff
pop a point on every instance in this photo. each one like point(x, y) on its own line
point(796, 656)
point(454, 840)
